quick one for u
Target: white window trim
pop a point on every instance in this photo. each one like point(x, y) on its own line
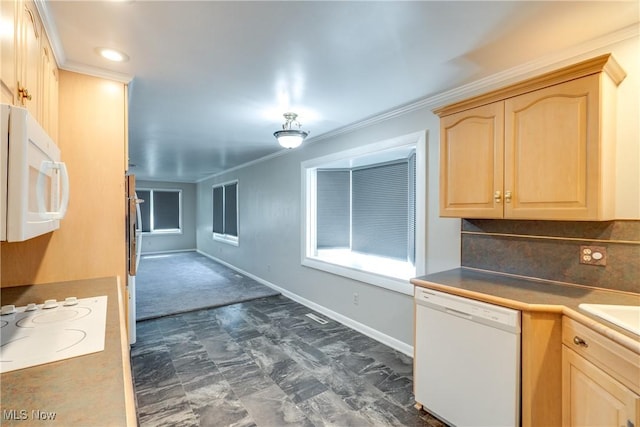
point(151, 220)
point(226, 238)
point(308, 209)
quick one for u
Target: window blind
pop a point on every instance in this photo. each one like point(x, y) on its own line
point(166, 210)
point(218, 210)
point(380, 210)
point(230, 209)
point(333, 203)
point(412, 209)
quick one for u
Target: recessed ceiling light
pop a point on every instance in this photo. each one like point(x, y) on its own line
point(112, 54)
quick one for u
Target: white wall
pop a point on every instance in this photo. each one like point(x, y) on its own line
point(173, 242)
point(270, 202)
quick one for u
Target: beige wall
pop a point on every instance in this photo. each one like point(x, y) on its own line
point(91, 240)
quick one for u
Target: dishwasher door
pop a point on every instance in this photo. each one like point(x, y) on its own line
point(467, 360)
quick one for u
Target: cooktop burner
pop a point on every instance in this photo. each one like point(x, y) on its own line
point(55, 316)
point(44, 333)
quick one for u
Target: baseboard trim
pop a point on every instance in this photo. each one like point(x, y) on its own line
point(347, 321)
point(173, 251)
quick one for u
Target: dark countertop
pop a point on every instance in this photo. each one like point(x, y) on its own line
point(533, 295)
point(91, 390)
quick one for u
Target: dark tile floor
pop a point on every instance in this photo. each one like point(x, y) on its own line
point(264, 363)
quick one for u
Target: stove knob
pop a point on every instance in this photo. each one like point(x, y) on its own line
point(50, 303)
point(70, 301)
point(31, 307)
point(7, 309)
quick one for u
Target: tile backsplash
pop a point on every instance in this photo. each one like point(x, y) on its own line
point(551, 250)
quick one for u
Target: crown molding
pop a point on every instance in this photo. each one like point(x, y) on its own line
point(58, 50)
point(96, 72)
point(244, 165)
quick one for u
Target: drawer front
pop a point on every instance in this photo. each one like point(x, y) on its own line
point(619, 362)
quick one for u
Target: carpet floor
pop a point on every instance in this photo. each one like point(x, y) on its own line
point(180, 282)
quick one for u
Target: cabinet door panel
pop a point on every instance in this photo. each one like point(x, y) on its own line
point(551, 152)
point(8, 45)
point(49, 91)
point(30, 54)
point(593, 398)
point(471, 151)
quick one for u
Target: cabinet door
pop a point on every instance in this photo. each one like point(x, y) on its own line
point(8, 46)
point(29, 53)
point(552, 153)
point(590, 397)
point(49, 91)
point(471, 158)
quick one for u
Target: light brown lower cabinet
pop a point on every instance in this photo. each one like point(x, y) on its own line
point(591, 396)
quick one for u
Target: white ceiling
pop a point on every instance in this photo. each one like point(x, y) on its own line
point(210, 80)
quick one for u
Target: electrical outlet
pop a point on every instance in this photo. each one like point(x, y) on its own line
point(356, 298)
point(593, 255)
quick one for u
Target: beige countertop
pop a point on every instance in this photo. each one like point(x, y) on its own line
point(532, 295)
point(91, 390)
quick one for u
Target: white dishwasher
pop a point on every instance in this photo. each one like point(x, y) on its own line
point(467, 360)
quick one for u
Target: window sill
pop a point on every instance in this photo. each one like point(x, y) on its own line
point(161, 232)
point(224, 238)
point(354, 271)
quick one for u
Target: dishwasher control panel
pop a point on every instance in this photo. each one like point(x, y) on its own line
point(469, 308)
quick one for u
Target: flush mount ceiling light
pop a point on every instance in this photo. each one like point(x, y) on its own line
point(290, 137)
point(112, 54)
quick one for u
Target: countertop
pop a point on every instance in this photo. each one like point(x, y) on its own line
point(533, 295)
point(91, 390)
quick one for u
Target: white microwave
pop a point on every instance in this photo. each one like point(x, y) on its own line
point(34, 192)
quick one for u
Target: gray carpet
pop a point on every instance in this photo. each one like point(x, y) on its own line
point(180, 282)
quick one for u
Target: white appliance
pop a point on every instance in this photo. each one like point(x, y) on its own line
point(134, 248)
point(467, 360)
point(132, 279)
point(43, 333)
point(35, 186)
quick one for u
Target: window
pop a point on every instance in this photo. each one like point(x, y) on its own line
point(361, 210)
point(161, 210)
point(225, 212)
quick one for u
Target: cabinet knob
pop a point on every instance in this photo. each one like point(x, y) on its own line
point(24, 93)
point(579, 341)
point(497, 196)
point(507, 196)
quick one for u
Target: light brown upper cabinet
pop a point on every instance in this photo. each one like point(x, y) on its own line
point(29, 73)
point(49, 93)
point(29, 64)
point(540, 149)
point(8, 42)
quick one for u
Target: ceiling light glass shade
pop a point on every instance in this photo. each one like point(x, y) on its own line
point(288, 137)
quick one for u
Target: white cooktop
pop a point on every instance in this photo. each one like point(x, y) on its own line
point(44, 333)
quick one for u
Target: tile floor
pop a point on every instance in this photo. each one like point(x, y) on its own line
point(264, 363)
